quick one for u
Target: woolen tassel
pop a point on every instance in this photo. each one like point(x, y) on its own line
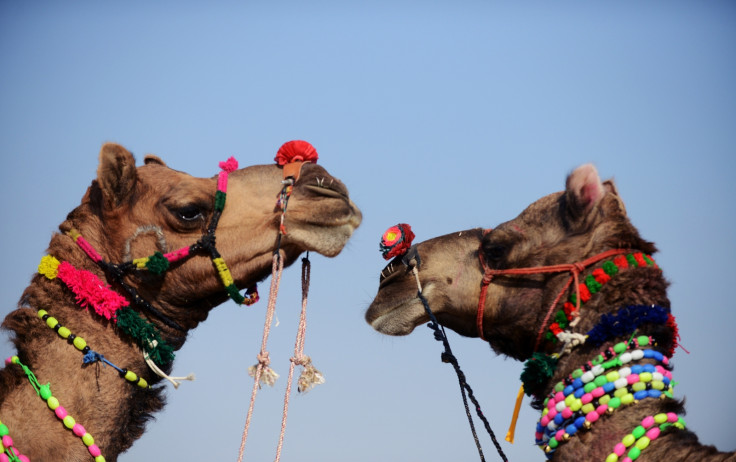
point(515, 416)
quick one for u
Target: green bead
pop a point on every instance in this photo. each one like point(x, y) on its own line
point(79, 343)
point(87, 439)
point(600, 380)
point(614, 403)
point(3, 430)
point(619, 347)
point(628, 440)
point(634, 453)
point(64, 332)
point(559, 386)
point(590, 386)
point(576, 374)
point(639, 431)
point(44, 391)
point(643, 340)
point(553, 443)
point(69, 422)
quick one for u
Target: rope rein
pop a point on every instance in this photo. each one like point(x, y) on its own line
point(448, 357)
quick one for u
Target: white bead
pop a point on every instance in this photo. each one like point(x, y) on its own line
point(587, 376)
point(637, 355)
point(621, 382)
point(657, 376)
point(597, 370)
point(560, 406)
point(625, 357)
point(624, 372)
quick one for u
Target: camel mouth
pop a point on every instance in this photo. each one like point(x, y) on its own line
point(325, 191)
point(396, 317)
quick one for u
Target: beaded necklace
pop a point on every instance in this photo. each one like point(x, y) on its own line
point(44, 391)
point(8, 453)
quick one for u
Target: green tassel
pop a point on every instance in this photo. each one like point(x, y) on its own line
point(232, 291)
point(610, 268)
point(593, 285)
point(157, 263)
point(632, 261)
point(538, 370)
point(145, 335)
point(220, 201)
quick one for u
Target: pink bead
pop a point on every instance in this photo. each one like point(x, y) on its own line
point(23, 458)
point(8, 362)
point(559, 396)
point(560, 433)
point(551, 403)
point(566, 413)
point(619, 449)
point(627, 459)
point(7, 441)
point(60, 412)
point(597, 392)
point(665, 360)
point(647, 421)
point(586, 398)
point(653, 433)
point(632, 379)
point(552, 413)
point(671, 417)
point(94, 450)
point(601, 409)
point(591, 416)
point(544, 420)
point(79, 430)
point(4, 457)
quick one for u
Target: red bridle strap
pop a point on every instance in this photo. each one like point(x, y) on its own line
point(574, 268)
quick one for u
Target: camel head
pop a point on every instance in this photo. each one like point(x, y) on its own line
point(586, 219)
point(131, 212)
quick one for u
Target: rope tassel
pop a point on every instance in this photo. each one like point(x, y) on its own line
point(310, 376)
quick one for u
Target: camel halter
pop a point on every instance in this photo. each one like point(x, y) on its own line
point(395, 242)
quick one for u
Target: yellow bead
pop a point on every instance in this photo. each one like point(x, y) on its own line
point(628, 398)
point(576, 405)
point(52, 322)
point(52, 402)
point(142, 383)
point(604, 399)
point(612, 376)
point(69, 422)
point(130, 376)
point(645, 377)
point(612, 457)
point(628, 440)
point(639, 386)
point(42, 313)
point(99, 459)
point(620, 392)
point(643, 442)
point(87, 439)
point(587, 408)
point(660, 418)
point(79, 343)
point(64, 332)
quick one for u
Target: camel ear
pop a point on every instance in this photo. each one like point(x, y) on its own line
point(584, 189)
point(151, 159)
point(116, 174)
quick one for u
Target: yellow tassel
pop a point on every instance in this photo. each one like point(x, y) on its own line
point(515, 417)
point(223, 271)
point(49, 266)
point(140, 263)
point(74, 234)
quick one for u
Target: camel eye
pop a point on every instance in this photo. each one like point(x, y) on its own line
point(190, 213)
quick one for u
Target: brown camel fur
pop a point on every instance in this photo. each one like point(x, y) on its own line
point(566, 227)
point(320, 217)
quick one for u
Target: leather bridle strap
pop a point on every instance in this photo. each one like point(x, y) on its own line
point(574, 268)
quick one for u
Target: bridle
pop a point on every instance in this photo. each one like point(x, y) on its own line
point(573, 268)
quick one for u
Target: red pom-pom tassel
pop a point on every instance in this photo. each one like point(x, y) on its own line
point(296, 151)
point(396, 241)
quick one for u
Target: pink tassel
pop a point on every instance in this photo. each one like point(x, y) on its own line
point(90, 290)
point(177, 254)
point(88, 249)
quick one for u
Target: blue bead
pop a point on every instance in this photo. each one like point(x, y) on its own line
point(559, 419)
point(654, 393)
point(608, 387)
point(649, 368)
point(666, 380)
point(579, 393)
point(658, 356)
point(567, 390)
point(577, 383)
point(641, 394)
point(571, 429)
point(540, 428)
point(648, 353)
point(580, 421)
point(637, 369)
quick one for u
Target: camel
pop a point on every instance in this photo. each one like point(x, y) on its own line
point(76, 408)
point(570, 287)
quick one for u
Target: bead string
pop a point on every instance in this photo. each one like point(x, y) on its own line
point(581, 399)
point(90, 355)
point(44, 391)
point(643, 434)
point(8, 453)
point(592, 284)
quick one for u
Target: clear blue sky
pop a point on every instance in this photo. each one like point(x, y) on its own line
point(443, 115)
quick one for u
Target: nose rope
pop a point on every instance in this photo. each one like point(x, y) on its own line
point(448, 357)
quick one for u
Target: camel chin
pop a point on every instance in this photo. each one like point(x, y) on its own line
point(327, 241)
point(397, 319)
